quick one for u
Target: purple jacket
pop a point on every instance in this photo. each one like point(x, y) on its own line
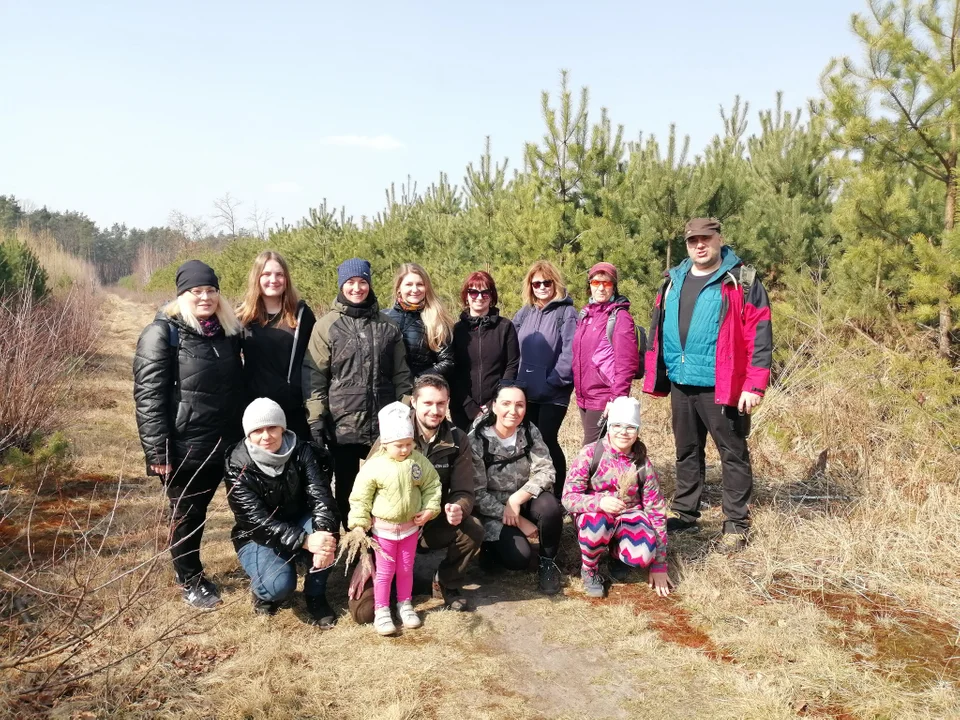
point(546, 350)
point(602, 373)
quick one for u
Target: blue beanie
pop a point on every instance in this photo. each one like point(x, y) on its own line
point(354, 267)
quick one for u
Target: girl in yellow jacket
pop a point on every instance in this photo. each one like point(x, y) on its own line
point(396, 492)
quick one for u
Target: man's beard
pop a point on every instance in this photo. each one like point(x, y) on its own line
point(429, 423)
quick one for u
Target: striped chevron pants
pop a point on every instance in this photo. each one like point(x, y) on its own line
point(629, 536)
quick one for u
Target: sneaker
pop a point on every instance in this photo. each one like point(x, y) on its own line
point(264, 607)
point(548, 576)
point(592, 582)
point(619, 571)
point(733, 542)
point(382, 622)
point(408, 616)
point(676, 524)
point(201, 593)
point(320, 613)
point(452, 598)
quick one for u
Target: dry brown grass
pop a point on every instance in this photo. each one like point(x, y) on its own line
point(768, 633)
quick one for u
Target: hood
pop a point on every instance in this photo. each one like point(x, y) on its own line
point(341, 307)
point(175, 320)
point(728, 261)
point(488, 320)
point(605, 308)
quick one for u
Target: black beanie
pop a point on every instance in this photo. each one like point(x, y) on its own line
point(194, 273)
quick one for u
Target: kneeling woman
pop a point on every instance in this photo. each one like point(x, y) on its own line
point(614, 495)
point(279, 490)
point(514, 479)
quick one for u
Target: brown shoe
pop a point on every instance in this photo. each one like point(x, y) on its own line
point(453, 598)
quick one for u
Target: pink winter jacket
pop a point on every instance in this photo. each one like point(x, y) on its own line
point(617, 476)
point(602, 373)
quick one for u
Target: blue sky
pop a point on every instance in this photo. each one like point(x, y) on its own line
point(126, 111)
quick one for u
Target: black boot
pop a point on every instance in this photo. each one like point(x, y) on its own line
point(264, 607)
point(548, 576)
point(320, 613)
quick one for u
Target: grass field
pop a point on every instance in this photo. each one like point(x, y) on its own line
point(845, 604)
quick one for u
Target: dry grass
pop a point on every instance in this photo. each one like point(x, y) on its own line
point(850, 557)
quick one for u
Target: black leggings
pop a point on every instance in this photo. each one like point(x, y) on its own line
point(346, 465)
point(512, 549)
point(548, 418)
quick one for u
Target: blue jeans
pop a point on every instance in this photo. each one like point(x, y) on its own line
point(273, 573)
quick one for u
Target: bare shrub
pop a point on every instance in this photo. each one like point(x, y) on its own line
point(64, 271)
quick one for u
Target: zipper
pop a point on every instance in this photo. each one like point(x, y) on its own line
point(480, 353)
point(296, 339)
point(375, 384)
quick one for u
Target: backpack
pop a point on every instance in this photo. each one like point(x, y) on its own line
point(598, 458)
point(637, 328)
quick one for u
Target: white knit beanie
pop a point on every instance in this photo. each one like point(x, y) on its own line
point(261, 413)
point(624, 411)
point(396, 423)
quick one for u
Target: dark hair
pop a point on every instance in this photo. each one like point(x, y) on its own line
point(479, 277)
point(429, 380)
point(505, 384)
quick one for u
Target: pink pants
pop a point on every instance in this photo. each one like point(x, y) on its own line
point(403, 552)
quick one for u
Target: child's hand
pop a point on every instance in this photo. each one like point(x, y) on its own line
point(612, 505)
point(660, 582)
point(423, 517)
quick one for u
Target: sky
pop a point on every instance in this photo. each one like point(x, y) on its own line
point(126, 111)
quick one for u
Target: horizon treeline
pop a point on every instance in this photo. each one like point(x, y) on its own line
point(848, 203)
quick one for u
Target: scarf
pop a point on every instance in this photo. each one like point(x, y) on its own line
point(356, 310)
point(210, 326)
point(273, 464)
point(417, 307)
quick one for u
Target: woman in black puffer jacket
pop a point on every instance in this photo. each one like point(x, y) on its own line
point(188, 389)
point(485, 350)
point(278, 487)
point(426, 326)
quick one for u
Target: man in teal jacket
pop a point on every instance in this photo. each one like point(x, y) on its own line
point(711, 350)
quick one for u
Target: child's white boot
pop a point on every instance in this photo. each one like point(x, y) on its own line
point(408, 616)
point(382, 622)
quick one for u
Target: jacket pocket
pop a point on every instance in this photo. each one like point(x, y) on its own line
point(345, 402)
point(184, 413)
point(535, 378)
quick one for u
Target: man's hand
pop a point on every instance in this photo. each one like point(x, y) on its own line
point(320, 542)
point(454, 513)
point(748, 401)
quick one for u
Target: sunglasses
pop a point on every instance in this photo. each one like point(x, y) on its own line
point(601, 284)
point(474, 293)
point(537, 284)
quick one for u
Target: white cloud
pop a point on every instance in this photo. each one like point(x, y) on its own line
point(285, 187)
point(375, 142)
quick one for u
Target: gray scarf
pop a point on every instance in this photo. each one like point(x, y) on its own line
point(273, 464)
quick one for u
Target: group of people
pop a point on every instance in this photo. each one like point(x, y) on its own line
point(456, 423)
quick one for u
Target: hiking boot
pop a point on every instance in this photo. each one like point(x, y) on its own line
point(619, 571)
point(676, 524)
point(201, 593)
point(592, 582)
point(548, 577)
point(382, 622)
point(320, 613)
point(408, 616)
point(453, 598)
point(733, 539)
point(266, 608)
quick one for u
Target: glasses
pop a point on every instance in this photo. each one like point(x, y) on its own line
point(474, 293)
point(204, 292)
point(601, 284)
point(537, 284)
point(622, 429)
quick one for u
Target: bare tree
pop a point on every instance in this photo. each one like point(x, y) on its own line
point(190, 227)
point(261, 221)
point(225, 214)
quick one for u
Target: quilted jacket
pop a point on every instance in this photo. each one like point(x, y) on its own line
point(393, 490)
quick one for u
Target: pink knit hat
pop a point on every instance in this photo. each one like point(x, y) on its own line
point(603, 267)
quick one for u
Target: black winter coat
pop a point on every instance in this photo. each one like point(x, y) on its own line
point(420, 358)
point(189, 401)
point(273, 366)
point(269, 510)
point(485, 351)
point(355, 365)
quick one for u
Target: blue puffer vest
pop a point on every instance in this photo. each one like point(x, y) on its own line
point(695, 363)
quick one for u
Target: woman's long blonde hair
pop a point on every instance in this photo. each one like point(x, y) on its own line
point(228, 319)
point(253, 309)
point(437, 323)
point(549, 272)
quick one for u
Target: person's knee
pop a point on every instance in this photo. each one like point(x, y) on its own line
point(471, 533)
point(276, 586)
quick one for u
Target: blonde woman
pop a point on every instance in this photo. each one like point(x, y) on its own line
point(188, 389)
point(426, 326)
point(545, 327)
point(276, 330)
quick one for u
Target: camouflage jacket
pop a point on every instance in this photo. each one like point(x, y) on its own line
point(494, 482)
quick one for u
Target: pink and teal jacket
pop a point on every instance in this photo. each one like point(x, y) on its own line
point(582, 494)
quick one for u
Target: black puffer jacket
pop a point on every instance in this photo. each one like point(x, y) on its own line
point(485, 351)
point(420, 357)
point(273, 366)
point(189, 399)
point(355, 365)
point(268, 510)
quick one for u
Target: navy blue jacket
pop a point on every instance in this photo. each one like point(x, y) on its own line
point(546, 350)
